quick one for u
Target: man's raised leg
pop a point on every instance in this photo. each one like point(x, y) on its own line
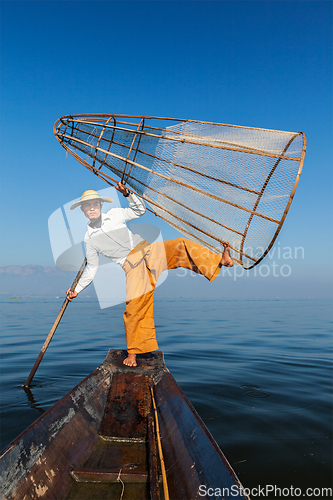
point(226, 259)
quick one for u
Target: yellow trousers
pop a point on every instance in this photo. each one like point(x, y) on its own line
point(143, 267)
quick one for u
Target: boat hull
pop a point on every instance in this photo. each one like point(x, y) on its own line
point(101, 438)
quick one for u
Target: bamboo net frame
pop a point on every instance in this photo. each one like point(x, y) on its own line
point(212, 182)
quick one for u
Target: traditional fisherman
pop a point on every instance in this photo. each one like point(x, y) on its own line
point(142, 262)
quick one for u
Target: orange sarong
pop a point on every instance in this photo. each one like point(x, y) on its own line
point(143, 267)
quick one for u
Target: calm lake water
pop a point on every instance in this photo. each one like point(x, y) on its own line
point(259, 372)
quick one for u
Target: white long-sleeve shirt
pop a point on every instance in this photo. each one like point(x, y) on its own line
point(113, 239)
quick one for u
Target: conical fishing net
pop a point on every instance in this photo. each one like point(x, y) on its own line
point(212, 182)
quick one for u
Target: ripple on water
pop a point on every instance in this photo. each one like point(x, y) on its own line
point(253, 391)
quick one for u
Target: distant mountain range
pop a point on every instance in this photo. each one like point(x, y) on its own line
point(36, 281)
point(39, 281)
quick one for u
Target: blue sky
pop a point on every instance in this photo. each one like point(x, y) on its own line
point(255, 63)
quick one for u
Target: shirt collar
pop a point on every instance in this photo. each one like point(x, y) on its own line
point(104, 217)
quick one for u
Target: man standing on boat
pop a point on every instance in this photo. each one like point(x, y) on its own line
point(142, 262)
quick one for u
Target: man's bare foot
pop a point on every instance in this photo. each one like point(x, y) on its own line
point(226, 259)
point(130, 360)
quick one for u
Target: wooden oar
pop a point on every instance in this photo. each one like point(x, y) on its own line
point(54, 327)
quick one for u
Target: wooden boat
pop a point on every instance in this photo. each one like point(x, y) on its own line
point(121, 433)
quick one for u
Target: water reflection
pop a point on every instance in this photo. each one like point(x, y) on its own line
point(32, 401)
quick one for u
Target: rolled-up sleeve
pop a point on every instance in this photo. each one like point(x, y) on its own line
point(91, 269)
point(135, 209)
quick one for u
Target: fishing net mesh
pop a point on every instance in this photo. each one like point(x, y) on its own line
point(212, 182)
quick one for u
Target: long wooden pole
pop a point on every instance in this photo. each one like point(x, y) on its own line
point(54, 327)
point(160, 451)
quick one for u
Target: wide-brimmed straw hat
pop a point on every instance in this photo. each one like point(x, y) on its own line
point(91, 195)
